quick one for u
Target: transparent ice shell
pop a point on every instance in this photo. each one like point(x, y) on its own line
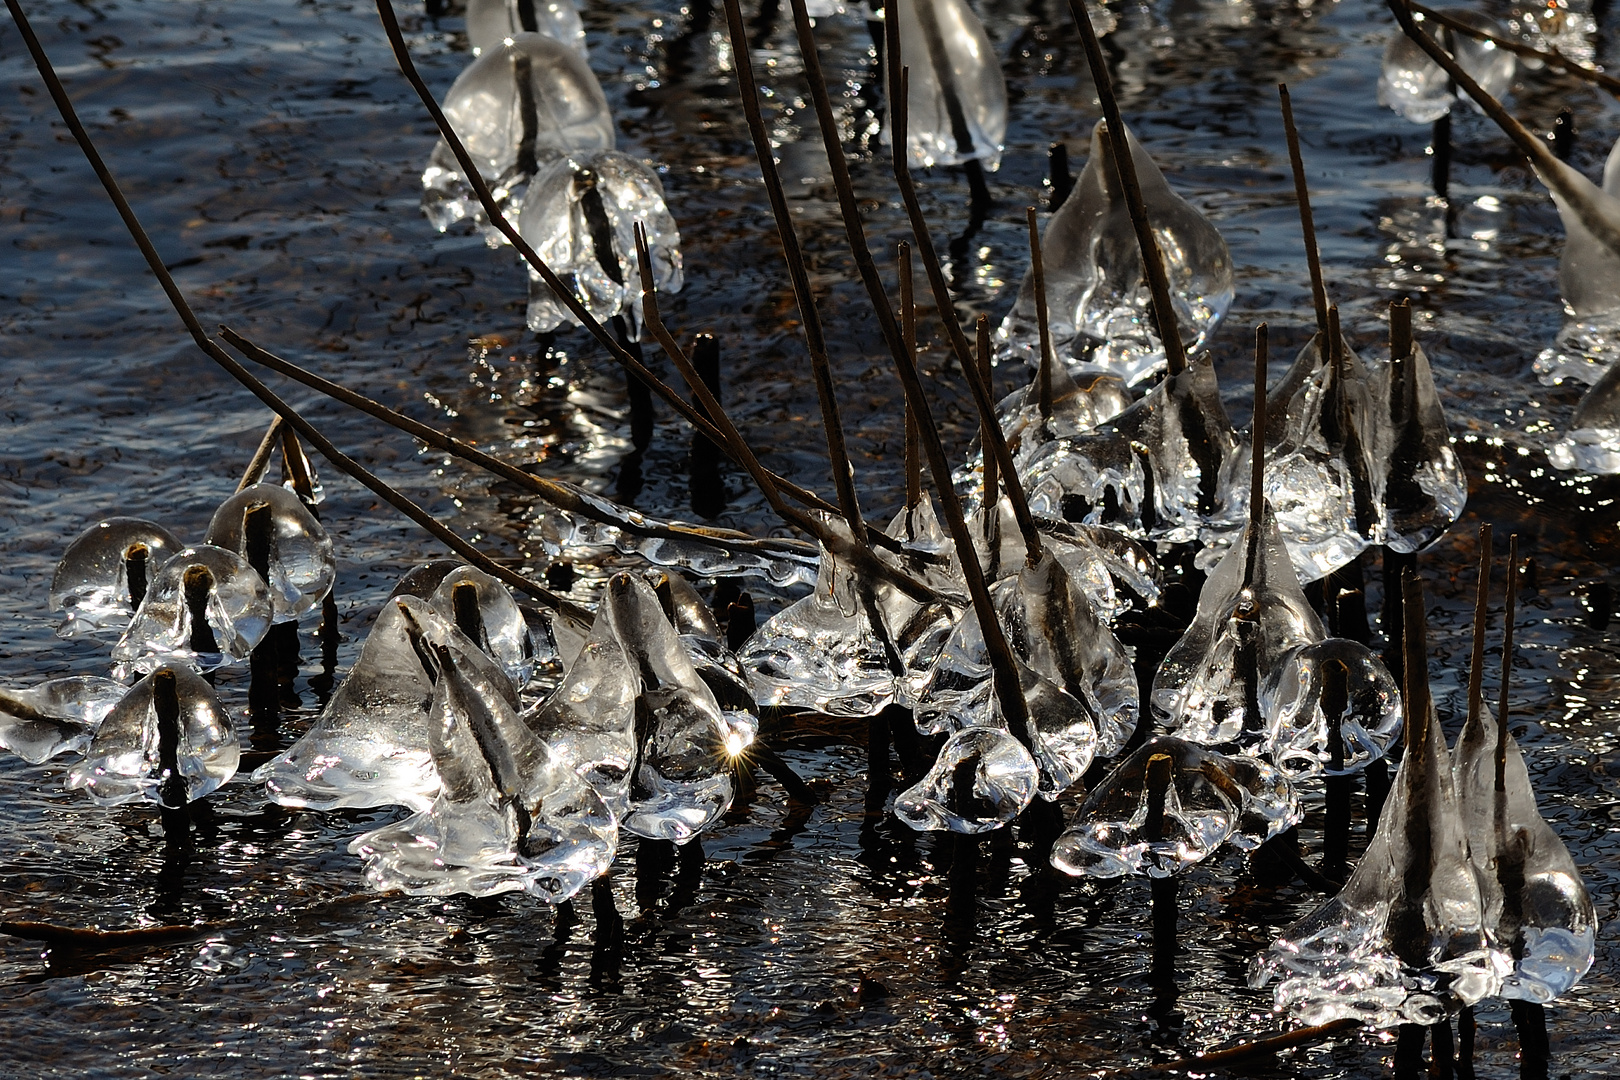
point(1295, 701)
point(1096, 292)
point(1249, 618)
point(1593, 442)
point(302, 565)
point(91, 584)
point(1152, 472)
point(508, 815)
point(56, 717)
point(238, 611)
point(505, 634)
point(513, 108)
point(998, 780)
point(1420, 90)
point(1079, 404)
point(718, 667)
point(559, 221)
point(1408, 932)
point(124, 760)
point(491, 22)
point(1589, 343)
point(918, 631)
point(1421, 485)
point(1565, 26)
point(956, 107)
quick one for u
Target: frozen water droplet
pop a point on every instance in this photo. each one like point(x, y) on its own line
point(55, 717)
point(1420, 90)
point(982, 779)
point(236, 606)
point(92, 585)
point(491, 22)
point(302, 565)
point(1334, 682)
point(956, 107)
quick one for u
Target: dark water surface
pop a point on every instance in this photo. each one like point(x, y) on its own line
point(273, 151)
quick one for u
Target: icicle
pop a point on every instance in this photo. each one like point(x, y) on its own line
point(715, 664)
point(1593, 442)
point(220, 585)
point(1295, 701)
point(982, 779)
point(1422, 486)
point(96, 583)
point(503, 633)
point(1589, 280)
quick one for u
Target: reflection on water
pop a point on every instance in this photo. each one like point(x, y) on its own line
point(272, 150)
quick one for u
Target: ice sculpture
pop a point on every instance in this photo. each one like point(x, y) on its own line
point(982, 779)
point(483, 609)
point(590, 720)
point(1251, 615)
point(1096, 294)
point(1593, 441)
point(103, 575)
point(1421, 485)
point(167, 742)
point(1152, 472)
point(579, 215)
point(1420, 90)
point(508, 815)
point(956, 105)
point(714, 663)
point(302, 565)
point(1078, 406)
point(56, 717)
point(514, 108)
point(918, 631)
point(1330, 708)
point(1588, 279)
point(205, 608)
point(491, 22)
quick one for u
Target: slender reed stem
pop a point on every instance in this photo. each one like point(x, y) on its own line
point(908, 331)
point(1307, 221)
point(1507, 663)
point(1476, 661)
point(1037, 273)
point(987, 432)
point(261, 456)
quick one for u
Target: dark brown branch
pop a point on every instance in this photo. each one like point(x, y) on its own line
point(908, 331)
point(1307, 221)
point(261, 456)
point(1554, 58)
point(1037, 273)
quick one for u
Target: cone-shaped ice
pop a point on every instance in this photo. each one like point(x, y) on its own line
point(234, 601)
point(491, 22)
point(302, 566)
point(1421, 486)
point(579, 215)
point(1125, 827)
point(1331, 708)
point(828, 652)
point(1132, 568)
point(55, 717)
point(1593, 442)
point(919, 631)
point(1420, 90)
point(1078, 406)
point(513, 108)
point(1588, 279)
point(1251, 615)
point(103, 574)
point(1097, 297)
point(509, 813)
point(680, 781)
point(590, 720)
point(370, 745)
point(1153, 471)
point(484, 610)
point(715, 664)
point(167, 742)
point(956, 105)
point(982, 779)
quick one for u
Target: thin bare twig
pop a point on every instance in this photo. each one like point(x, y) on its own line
point(1552, 57)
point(1037, 273)
point(1307, 221)
point(261, 457)
point(908, 331)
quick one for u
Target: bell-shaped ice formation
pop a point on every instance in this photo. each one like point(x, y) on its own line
point(982, 779)
point(1251, 615)
point(205, 608)
point(830, 651)
point(168, 741)
point(55, 717)
point(483, 609)
point(514, 108)
point(1421, 485)
point(1096, 293)
point(590, 719)
point(1270, 801)
point(919, 631)
point(1132, 569)
point(1588, 278)
point(1330, 708)
point(1420, 90)
point(579, 215)
point(1079, 404)
point(956, 105)
point(509, 813)
point(369, 746)
point(491, 22)
point(103, 575)
point(302, 565)
point(1154, 471)
point(1593, 442)
point(714, 663)
point(1164, 808)
point(680, 781)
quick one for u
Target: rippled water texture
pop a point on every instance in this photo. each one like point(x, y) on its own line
point(273, 152)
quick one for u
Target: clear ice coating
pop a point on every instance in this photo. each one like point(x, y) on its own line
point(514, 107)
point(718, 667)
point(509, 814)
point(236, 607)
point(1270, 801)
point(491, 22)
point(92, 585)
point(1588, 279)
point(56, 717)
point(1332, 691)
point(1420, 90)
point(1421, 485)
point(169, 741)
point(829, 652)
point(1251, 614)
point(919, 631)
point(302, 565)
point(1536, 905)
point(1408, 931)
point(370, 745)
point(1152, 472)
point(579, 215)
point(1593, 442)
point(956, 105)
point(982, 779)
point(1096, 293)
point(1118, 830)
point(502, 632)
point(1078, 406)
